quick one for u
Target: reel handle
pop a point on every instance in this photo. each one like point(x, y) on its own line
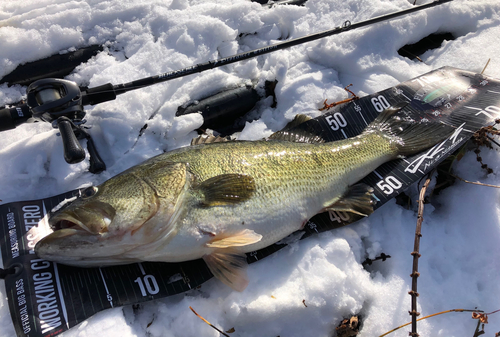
point(73, 151)
point(97, 165)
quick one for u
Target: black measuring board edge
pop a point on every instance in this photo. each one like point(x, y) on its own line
point(34, 291)
point(75, 294)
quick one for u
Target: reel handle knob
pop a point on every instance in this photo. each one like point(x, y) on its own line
point(73, 152)
point(97, 165)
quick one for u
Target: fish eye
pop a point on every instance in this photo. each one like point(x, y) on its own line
point(89, 192)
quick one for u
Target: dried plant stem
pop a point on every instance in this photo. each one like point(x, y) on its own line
point(489, 313)
point(204, 320)
point(415, 274)
point(478, 332)
point(491, 139)
point(350, 99)
point(470, 182)
point(436, 314)
point(485, 66)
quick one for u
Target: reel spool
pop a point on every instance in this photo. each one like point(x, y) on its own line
point(52, 98)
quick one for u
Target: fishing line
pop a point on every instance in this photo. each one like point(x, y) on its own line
point(108, 91)
point(61, 102)
point(346, 26)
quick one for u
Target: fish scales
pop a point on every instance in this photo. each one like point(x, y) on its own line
point(294, 181)
point(219, 201)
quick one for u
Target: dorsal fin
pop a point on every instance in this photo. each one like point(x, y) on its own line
point(303, 134)
point(298, 136)
point(285, 134)
point(297, 120)
point(208, 139)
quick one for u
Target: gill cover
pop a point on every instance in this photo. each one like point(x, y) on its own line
point(108, 220)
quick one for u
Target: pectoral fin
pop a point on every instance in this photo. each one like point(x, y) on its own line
point(358, 199)
point(229, 266)
point(243, 238)
point(227, 189)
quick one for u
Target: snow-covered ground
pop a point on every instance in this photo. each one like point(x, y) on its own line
point(461, 231)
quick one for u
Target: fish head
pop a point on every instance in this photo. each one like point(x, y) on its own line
point(105, 222)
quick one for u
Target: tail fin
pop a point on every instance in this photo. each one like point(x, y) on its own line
point(408, 137)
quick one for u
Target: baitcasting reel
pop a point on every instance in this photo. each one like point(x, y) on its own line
point(59, 102)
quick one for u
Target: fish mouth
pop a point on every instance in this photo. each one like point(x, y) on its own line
point(68, 221)
point(63, 222)
point(71, 240)
point(93, 218)
point(66, 224)
point(81, 237)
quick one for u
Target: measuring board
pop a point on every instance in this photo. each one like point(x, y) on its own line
point(47, 298)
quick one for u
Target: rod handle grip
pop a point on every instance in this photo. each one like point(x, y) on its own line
point(12, 117)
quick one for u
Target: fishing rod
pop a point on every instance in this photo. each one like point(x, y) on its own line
point(61, 102)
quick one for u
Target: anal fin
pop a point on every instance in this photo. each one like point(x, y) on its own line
point(229, 266)
point(359, 199)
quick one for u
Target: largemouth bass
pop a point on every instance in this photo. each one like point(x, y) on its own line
point(219, 201)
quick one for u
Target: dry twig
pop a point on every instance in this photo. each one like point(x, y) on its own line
point(485, 65)
point(470, 182)
point(328, 106)
point(481, 138)
point(478, 332)
point(369, 261)
point(482, 318)
point(425, 317)
point(204, 320)
point(415, 274)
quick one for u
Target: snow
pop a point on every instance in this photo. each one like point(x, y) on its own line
point(461, 229)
